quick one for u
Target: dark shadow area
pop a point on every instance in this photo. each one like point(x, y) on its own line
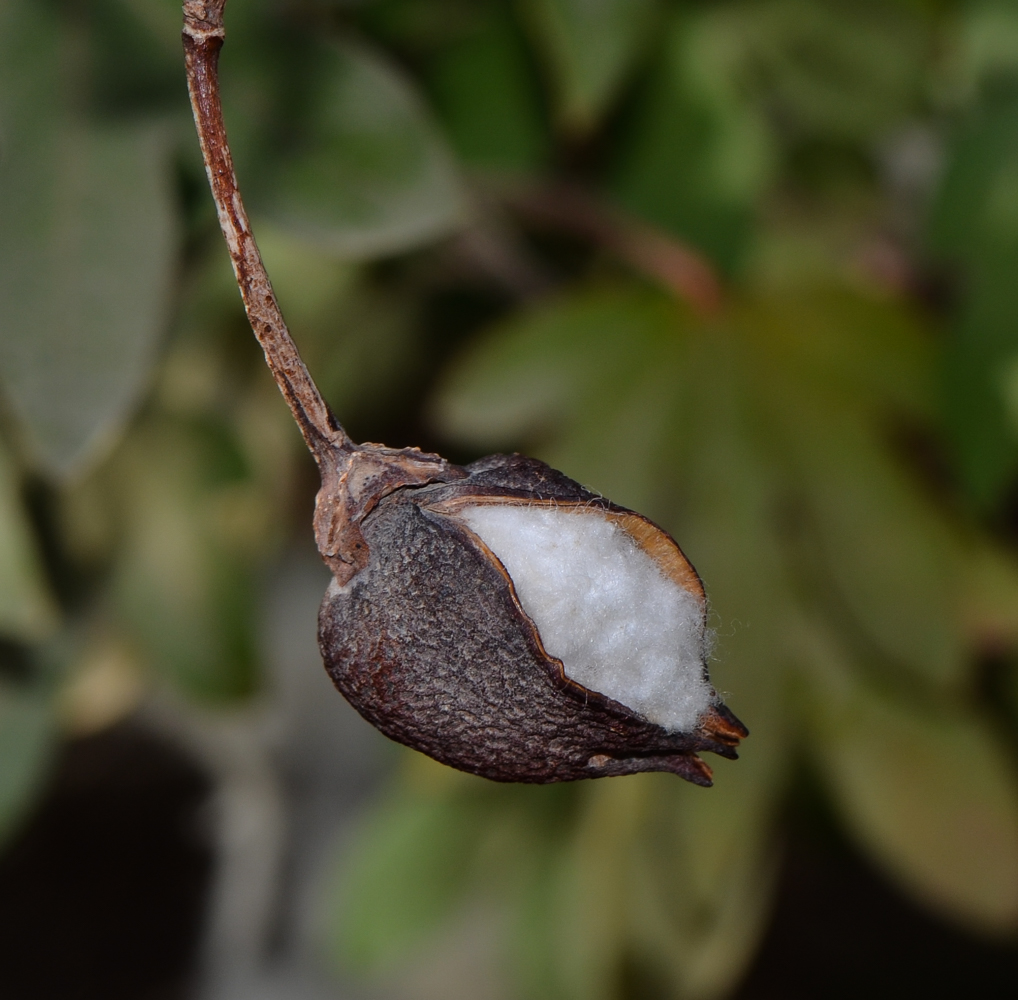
point(102, 894)
point(840, 931)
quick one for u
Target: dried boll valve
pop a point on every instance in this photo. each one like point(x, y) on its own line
point(499, 617)
point(510, 623)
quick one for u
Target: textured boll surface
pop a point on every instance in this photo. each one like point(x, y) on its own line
point(430, 642)
point(603, 607)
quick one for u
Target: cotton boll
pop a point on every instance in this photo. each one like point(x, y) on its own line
point(511, 623)
point(602, 606)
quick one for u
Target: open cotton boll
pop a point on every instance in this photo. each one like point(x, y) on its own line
point(603, 607)
point(432, 642)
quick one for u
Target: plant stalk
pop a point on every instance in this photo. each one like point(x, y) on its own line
point(354, 477)
point(203, 36)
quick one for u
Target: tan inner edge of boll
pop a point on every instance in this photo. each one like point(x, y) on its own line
point(657, 543)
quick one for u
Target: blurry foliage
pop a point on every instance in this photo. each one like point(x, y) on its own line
point(370, 176)
point(590, 47)
point(695, 121)
point(86, 250)
point(477, 214)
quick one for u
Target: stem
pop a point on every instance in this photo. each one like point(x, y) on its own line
point(655, 253)
point(354, 477)
point(203, 38)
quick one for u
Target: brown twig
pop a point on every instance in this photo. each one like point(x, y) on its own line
point(203, 38)
point(650, 250)
point(354, 477)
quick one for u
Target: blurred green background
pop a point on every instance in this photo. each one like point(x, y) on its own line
point(747, 266)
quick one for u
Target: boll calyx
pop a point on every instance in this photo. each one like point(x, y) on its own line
point(508, 622)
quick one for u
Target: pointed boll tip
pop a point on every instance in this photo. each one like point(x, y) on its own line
point(720, 723)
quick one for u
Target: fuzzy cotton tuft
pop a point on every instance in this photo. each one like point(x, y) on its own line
point(602, 607)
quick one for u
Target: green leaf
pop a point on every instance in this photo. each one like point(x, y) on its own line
point(29, 33)
point(592, 896)
point(589, 366)
point(434, 845)
point(933, 797)
point(184, 586)
point(532, 947)
point(27, 738)
point(713, 431)
point(648, 871)
point(371, 176)
point(882, 558)
point(697, 155)
point(837, 70)
point(890, 555)
point(987, 45)
point(411, 865)
point(890, 561)
point(703, 883)
point(27, 611)
point(160, 19)
point(989, 590)
point(591, 47)
point(134, 56)
point(86, 255)
point(976, 207)
point(487, 99)
point(975, 225)
point(656, 874)
point(866, 349)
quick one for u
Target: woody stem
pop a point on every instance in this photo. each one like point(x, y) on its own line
point(203, 38)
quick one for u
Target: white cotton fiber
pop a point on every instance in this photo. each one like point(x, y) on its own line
point(602, 606)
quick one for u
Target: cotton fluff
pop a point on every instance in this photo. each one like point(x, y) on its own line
point(602, 607)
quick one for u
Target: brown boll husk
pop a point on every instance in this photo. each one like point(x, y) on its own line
point(430, 644)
